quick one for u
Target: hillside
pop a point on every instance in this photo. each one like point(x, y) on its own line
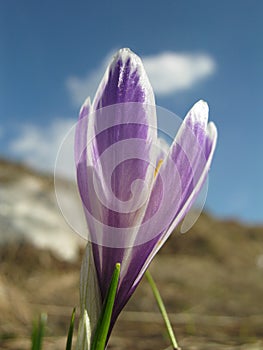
point(29, 211)
point(210, 278)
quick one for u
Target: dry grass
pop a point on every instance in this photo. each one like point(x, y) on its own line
point(209, 279)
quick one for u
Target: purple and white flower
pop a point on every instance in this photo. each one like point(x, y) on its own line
point(134, 191)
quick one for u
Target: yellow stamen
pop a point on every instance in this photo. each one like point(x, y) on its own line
point(158, 167)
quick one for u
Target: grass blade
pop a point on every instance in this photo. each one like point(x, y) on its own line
point(162, 310)
point(101, 333)
point(71, 330)
point(38, 332)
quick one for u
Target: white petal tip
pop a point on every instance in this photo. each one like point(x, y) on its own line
point(212, 131)
point(87, 102)
point(126, 54)
point(201, 107)
point(198, 114)
point(125, 51)
point(84, 110)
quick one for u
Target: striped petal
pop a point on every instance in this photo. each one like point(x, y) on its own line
point(184, 171)
point(124, 122)
point(124, 118)
point(126, 85)
point(124, 81)
point(206, 136)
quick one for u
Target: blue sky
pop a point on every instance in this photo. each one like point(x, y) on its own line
point(47, 45)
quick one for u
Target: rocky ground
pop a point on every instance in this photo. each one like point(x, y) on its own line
point(211, 279)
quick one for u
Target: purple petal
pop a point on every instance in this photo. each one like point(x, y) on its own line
point(105, 260)
point(132, 262)
point(197, 119)
point(83, 162)
point(125, 81)
point(187, 201)
point(124, 119)
point(126, 88)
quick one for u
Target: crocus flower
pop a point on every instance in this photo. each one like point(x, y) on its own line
point(123, 113)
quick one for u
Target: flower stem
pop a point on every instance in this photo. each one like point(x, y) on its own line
point(162, 309)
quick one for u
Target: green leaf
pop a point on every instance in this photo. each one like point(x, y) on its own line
point(102, 329)
point(90, 298)
point(84, 332)
point(71, 329)
point(90, 301)
point(38, 332)
point(162, 309)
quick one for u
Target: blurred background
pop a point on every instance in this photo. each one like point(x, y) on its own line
point(53, 54)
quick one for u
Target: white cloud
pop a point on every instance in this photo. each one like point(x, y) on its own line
point(38, 146)
point(81, 88)
point(168, 72)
